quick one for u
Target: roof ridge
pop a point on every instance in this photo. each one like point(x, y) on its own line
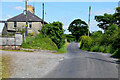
point(21, 17)
point(34, 15)
point(15, 16)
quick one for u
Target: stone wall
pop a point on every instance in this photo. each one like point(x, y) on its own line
point(11, 42)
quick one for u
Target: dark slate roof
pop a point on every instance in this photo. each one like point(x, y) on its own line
point(22, 18)
point(2, 21)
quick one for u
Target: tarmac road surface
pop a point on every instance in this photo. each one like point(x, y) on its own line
point(84, 64)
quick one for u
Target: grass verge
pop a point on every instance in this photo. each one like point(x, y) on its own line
point(0, 66)
point(19, 50)
point(6, 59)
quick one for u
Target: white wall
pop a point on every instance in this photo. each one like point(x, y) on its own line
point(1, 27)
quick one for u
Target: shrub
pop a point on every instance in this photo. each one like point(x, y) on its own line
point(95, 48)
point(102, 49)
point(116, 54)
point(31, 34)
point(80, 44)
point(109, 49)
point(86, 42)
point(116, 40)
point(103, 40)
point(96, 34)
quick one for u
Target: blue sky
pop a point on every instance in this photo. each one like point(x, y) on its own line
point(64, 12)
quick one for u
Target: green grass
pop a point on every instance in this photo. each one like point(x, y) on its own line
point(43, 43)
point(6, 61)
point(19, 50)
point(39, 42)
point(0, 67)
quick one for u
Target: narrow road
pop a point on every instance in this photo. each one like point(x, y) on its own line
point(84, 64)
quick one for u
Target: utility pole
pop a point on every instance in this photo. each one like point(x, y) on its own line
point(26, 17)
point(43, 14)
point(89, 21)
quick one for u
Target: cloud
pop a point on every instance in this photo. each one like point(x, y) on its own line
point(102, 11)
point(19, 8)
point(66, 30)
point(65, 27)
point(93, 26)
point(8, 16)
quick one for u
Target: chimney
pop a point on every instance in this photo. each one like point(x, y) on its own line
point(31, 9)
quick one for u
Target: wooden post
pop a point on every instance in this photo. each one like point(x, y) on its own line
point(24, 37)
point(26, 17)
point(43, 14)
point(89, 21)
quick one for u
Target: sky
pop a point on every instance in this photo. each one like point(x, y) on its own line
point(64, 12)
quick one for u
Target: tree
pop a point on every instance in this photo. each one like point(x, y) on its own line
point(70, 37)
point(55, 32)
point(116, 15)
point(78, 28)
point(105, 21)
point(112, 29)
point(96, 34)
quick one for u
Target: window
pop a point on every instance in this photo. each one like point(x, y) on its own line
point(30, 25)
point(15, 24)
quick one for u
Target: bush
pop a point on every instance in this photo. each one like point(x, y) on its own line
point(102, 49)
point(103, 40)
point(96, 34)
point(116, 54)
point(31, 34)
point(80, 44)
point(116, 40)
point(95, 48)
point(109, 49)
point(86, 42)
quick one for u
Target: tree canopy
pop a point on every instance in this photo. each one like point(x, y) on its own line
point(78, 28)
point(105, 21)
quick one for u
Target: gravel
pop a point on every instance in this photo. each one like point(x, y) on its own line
point(32, 64)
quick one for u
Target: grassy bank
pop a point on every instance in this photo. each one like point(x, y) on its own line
point(43, 43)
point(39, 42)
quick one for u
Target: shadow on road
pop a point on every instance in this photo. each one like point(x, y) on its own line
point(115, 62)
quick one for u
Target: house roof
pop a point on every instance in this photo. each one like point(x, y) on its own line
point(22, 18)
